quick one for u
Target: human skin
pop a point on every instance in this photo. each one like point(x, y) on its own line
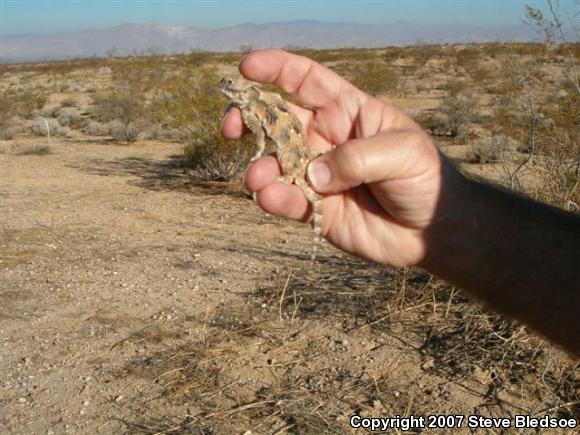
point(391, 197)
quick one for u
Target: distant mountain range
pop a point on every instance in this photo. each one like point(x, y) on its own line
point(127, 39)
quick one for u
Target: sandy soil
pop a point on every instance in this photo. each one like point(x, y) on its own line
point(97, 243)
point(118, 273)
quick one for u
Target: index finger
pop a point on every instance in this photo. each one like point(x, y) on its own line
point(312, 84)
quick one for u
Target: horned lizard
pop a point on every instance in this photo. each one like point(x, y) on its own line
point(268, 116)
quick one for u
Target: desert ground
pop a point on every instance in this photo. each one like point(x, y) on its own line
point(143, 291)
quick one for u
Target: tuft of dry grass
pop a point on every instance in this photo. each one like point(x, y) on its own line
point(33, 150)
point(491, 149)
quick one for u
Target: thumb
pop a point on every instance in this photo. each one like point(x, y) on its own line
point(386, 156)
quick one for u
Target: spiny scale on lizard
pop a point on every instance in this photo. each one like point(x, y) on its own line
point(267, 115)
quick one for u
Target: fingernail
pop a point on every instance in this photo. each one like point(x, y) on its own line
point(319, 174)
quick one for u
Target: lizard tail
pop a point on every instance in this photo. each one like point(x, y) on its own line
point(316, 202)
point(316, 229)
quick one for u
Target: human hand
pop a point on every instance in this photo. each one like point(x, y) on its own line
point(381, 174)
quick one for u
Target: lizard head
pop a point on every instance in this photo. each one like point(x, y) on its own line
point(237, 89)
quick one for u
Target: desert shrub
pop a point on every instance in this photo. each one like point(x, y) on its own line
point(198, 58)
point(393, 53)
point(134, 81)
point(164, 133)
point(480, 73)
point(192, 103)
point(375, 78)
point(7, 129)
point(532, 97)
point(49, 127)
point(319, 56)
point(332, 55)
point(500, 87)
point(455, 87)
point(437, 123)
point(59, 84)
point(467, 57)
point(70, 102)
point(22, 103)
point(49, 111)
point(219, 160)
point(72, 120)
point(564, 131)
point(423, 53)
point(358, 54)
point(127, 133)
point(561, 181)
point(453, 117)
point(63, 131)
point(494, 50)
point(12, 80)
point(43, 126)
point(6, 115)
point(104, 72)
point(94, 128)
point(122, 105)
point(37, 150)
point(491, 149)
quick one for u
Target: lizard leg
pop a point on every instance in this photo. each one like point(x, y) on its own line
point(261, 142)
point(286, 178)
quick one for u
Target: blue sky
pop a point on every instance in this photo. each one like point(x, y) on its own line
point(45, 16)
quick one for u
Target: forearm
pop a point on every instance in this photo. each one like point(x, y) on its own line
point(519, 257)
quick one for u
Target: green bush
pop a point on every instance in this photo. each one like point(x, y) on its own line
point(22, 103)
point(36, 150)
point(455, 87)
point(6, 114)
point(124, 105)
point(375, 78)
point(191, 102)
point(453, 117)
point(491, 149)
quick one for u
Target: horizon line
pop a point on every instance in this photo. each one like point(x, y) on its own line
point(142, 23)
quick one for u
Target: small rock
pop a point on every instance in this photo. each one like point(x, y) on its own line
point(119, 398)
point(22, 400)
point(429, 364)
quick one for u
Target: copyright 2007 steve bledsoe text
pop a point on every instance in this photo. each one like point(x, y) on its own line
point(460, 421)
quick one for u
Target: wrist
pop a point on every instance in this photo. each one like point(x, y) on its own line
point(454, 219)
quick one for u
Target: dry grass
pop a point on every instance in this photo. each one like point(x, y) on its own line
point(309, 383)
point(36, 150)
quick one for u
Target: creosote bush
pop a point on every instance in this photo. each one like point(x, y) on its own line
point(70, 102)
point(122, 105)
point(21, 103)
point(6, 123)
point(453, 117)
point(490, 149)
point(33, 150)
point(375, 77)
point(191, 102)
